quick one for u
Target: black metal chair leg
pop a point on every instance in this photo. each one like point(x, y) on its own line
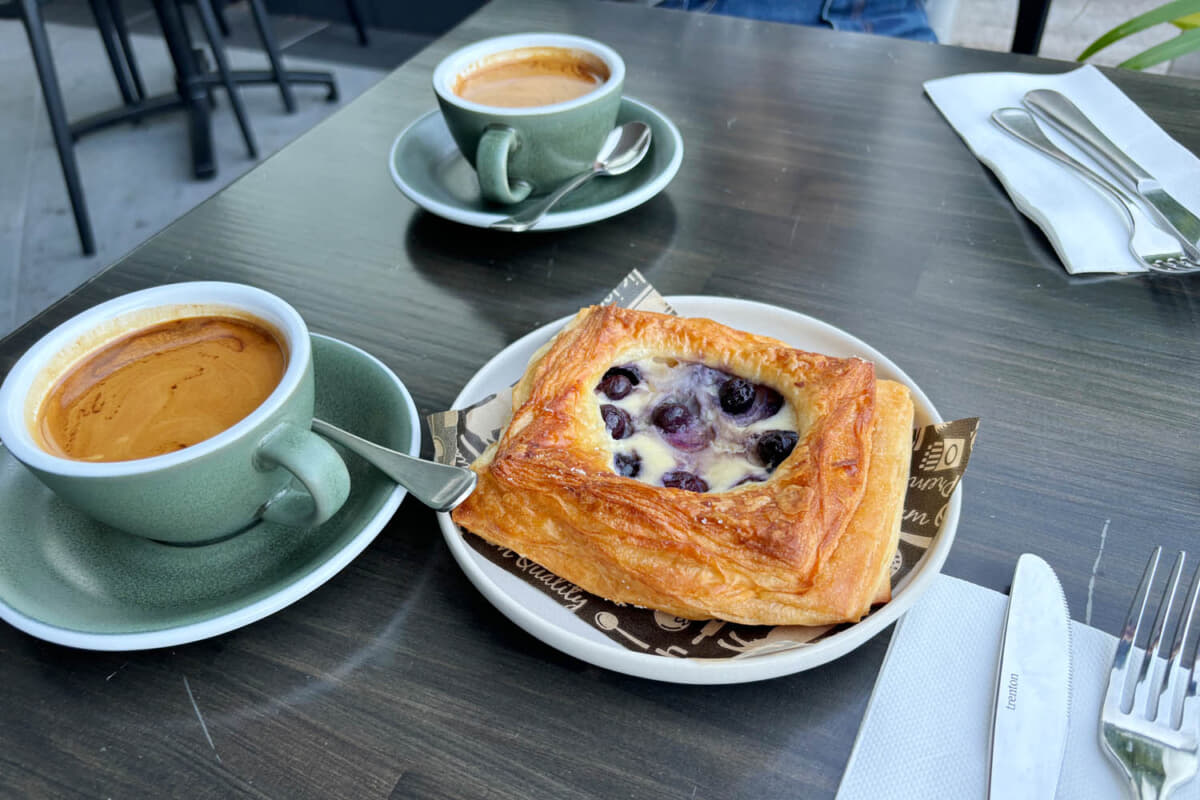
point(209, 22)
point(44, 61)
point(118, 18)
point(222, 22)
point(108, 35)
point(199, 59)
point(356, 16)
point(190, 86)
point(268, 41)
point(1031, 22)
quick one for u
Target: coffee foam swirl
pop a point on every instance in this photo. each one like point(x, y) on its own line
point(161, 389)
point(531, 76)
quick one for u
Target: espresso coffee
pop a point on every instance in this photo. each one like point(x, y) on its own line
point(161, 388)
point(531, 76)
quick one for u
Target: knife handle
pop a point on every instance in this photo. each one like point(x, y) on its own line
point(1075, 125)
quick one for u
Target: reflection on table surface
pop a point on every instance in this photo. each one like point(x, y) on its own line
point(816, 177)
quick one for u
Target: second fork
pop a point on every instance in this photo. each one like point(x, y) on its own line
point(1150, 719)
point(1156, 249)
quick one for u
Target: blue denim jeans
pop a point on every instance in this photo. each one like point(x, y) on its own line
point(901, 18)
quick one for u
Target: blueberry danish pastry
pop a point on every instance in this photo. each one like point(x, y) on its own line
point(681, 465)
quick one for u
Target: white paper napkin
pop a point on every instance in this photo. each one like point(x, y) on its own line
point(926, 729)
point(1087, 231)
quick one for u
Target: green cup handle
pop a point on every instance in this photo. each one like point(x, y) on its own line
point(491, 163)
point(316, 465)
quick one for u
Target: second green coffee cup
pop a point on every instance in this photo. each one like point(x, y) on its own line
point(529, 150)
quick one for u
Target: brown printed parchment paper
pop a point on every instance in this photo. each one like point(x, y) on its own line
point(940, 455)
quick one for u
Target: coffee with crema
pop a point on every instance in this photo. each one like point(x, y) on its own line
point(161, 388)
point(531, 76)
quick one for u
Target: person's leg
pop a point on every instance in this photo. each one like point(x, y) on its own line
point(901, 18)
point(797, 12)
point(905, 19)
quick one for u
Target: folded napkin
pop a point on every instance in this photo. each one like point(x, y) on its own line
point(926, 730)
point(1087, 231)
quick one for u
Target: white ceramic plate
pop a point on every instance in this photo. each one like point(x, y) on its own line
point(556, 626)
point(428, 168)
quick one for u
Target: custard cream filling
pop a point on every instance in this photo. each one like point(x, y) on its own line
point(729, 458)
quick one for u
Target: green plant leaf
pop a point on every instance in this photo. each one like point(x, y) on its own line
point(1188, 22)
point(1172, 48)
point(1164, 13)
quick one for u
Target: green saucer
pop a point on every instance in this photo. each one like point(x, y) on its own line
point(68, 579)
point(428, 168)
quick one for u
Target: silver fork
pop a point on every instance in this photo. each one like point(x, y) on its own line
point(1150, 728)
point(1157, 249)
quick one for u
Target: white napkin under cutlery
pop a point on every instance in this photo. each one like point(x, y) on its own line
point(926, 730)
point(1087, 231)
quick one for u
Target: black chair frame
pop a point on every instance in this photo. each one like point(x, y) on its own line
point(193, 91)
point(1031, 23)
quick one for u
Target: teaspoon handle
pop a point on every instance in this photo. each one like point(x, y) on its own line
point(526, 218)
point(439, 486)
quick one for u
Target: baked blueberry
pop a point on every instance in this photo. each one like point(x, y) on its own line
point(617, 421)
point(736, 395)
point(774, 446)
point(681, 425)
point(627, 464)
point(618, 382)
point(771, 401)
point(614, 386)
point(682, 479)
point(631, 372)
point(692, 438)
point(673, 417)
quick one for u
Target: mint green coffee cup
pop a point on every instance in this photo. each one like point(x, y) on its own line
point(268, 465)
point(529, 110)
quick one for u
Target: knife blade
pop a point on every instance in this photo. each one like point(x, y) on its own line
point(1033, 677)
point(1066, 117)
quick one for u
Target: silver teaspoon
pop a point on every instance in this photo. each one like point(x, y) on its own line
point(622, 151)
point(439, 486)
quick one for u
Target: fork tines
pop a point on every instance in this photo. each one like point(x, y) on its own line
point(1179, 266)
point(1163, 683)
point(1151, 729)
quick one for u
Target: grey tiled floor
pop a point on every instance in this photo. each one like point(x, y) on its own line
point(1070, 27)
point(137, 178)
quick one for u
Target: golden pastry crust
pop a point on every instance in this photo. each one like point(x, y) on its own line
point(810, 545)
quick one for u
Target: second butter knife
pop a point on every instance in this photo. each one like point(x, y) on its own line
point(1074, 124)
point(1033, 687)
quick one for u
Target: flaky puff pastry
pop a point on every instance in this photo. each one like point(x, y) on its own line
point(811, 545)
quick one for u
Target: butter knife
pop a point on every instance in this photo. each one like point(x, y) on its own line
point(1033, 687)
point(1066, 117)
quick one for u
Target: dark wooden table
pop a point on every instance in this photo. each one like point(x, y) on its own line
point(817, 177)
